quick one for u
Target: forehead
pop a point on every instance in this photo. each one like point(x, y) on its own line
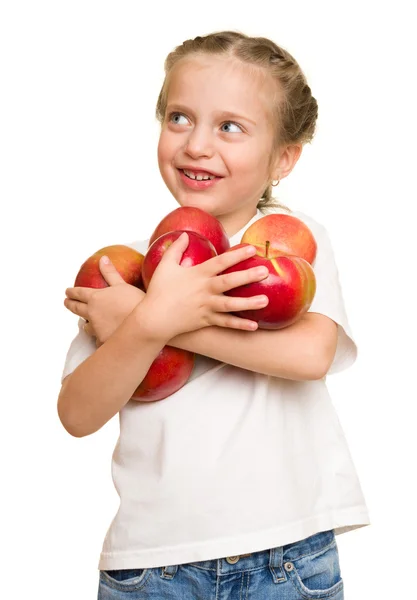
point(222, 83)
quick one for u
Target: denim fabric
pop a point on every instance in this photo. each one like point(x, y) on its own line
point(299, 571)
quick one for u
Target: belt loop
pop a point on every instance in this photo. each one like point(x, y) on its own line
point(169, 572)
point(276, 564)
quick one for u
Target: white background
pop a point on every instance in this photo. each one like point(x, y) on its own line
point(78, 140)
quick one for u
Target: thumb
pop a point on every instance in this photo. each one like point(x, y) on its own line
point(109, 271)
point(177, 248)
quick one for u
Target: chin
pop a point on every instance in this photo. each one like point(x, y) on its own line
point(198, 200)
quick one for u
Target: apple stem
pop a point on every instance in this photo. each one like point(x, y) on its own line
point(267, 244)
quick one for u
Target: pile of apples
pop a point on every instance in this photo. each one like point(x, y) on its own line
point(285, 245)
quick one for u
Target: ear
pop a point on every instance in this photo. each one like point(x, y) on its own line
point(286, 160)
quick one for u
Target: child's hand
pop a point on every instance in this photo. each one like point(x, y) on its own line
point(104, 308)
point(181, 299)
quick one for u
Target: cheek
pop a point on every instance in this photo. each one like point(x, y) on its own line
point(261, 164)
point(165, 154)
point(252, 164)
point(162, 148)
point(166, 146)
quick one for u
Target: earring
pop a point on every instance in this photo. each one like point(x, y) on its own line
point(274, 184)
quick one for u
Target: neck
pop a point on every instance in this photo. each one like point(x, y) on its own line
point(234, 222)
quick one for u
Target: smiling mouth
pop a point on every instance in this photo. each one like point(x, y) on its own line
point(199, 176)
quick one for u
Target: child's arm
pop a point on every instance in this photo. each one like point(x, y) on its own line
point(305, 350)
point(302, 351)
point(178, 300)
point(101, 385)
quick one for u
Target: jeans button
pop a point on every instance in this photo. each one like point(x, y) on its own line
point(232, 560)
point(288, 566)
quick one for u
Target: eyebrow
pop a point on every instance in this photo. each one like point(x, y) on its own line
point(221, 114)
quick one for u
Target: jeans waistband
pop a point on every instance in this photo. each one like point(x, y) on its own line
point(273, 557)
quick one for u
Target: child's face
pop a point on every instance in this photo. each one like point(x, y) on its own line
point(218, 120)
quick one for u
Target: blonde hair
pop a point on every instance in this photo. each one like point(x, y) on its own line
point(296, 113)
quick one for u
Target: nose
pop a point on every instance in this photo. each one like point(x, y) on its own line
point(199, 143)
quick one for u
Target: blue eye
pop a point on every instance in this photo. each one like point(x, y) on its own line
point(175, 118)
point(231, 124)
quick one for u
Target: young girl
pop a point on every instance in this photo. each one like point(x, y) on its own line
point(236, 485)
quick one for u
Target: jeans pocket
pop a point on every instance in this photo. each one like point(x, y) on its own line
point(125, 579)
point(317, 575)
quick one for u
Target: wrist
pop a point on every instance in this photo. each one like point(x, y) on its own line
point(148, 325)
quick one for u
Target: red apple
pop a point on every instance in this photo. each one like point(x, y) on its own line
point(199, 249)
point(168, 373)
point(190, 218)
point(290, 287)
point(126, 260)
point(285, 233)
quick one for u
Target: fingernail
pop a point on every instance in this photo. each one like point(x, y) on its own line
point(250, 250)
point(105, 260)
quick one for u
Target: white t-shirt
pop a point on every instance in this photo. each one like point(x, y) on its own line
point(236, 461)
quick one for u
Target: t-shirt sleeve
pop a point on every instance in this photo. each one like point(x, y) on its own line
point(328, 300)
point(81, 347)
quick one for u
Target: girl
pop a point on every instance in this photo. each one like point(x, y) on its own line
point(236, 485)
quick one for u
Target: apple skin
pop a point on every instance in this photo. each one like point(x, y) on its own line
point(285, 233)
point(127, 261)
point(168, 373)
point(190, 218)
point(199, 250)
point(290, 287)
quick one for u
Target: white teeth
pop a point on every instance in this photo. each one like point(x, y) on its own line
point(198, 177)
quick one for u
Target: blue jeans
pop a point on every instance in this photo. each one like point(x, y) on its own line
point(299, 571)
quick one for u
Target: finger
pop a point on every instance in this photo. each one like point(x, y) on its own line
point(82, 294)
point(233, 322)
point(109, 271)
point(232, 304)
point(228, 281)
point(77, 308)
point(176, 249)
point(220, 263)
